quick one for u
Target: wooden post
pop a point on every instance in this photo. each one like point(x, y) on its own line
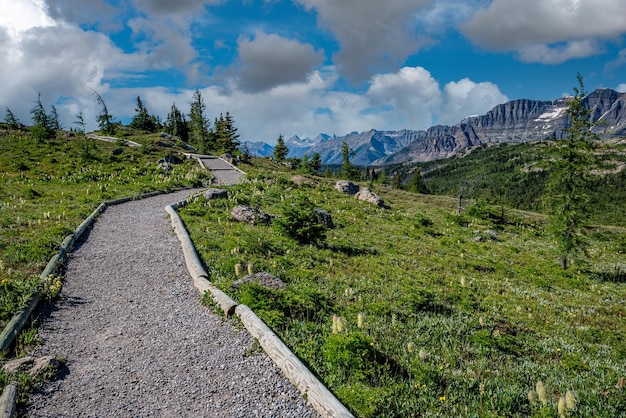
point(7, 401)
point(302, 378)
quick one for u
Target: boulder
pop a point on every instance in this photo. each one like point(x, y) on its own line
point(347, 187)
point(324, 217)
point(300, 180)
point(366, 195)
point(41, 363)
point(215, 194)
point(262, 278)
point(170, 158)
point(15, 365)
point(165, 166)
point(250, 215)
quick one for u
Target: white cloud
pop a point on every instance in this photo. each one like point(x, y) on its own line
point(374, 35)
point(412, 93)
point(465, 98)
point(533, 27)
point(621, 88)
point(557, 54)
point(169, 7)
point(83, 11)
point(270, 60)
point(18, 16)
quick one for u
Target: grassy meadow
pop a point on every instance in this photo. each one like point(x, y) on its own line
point(412, 310)
point(48, 188)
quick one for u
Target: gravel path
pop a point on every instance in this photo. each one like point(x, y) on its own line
point(138, 342)
point(224, 173)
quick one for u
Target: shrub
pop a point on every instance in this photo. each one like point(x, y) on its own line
point(300, 222)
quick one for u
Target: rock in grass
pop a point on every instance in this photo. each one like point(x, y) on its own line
point(347, 187)
point(264, 279)
point(250, 215)
point(324, 217)
point(366, 195)
point(215, 194)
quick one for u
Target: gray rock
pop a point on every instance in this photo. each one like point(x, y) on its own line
point(165, 166)
point(347, 187)
point(324, 217)
point(41, 363)
point(215, 194)
point(366, 195)
point(262, 278)
point(14, 365)
point(250, 215)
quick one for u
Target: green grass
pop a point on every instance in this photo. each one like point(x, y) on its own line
point(48, 188)
point(453, 327)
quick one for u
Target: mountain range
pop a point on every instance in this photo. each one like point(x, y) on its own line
point(516, 121)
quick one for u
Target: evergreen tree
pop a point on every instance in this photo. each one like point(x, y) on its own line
point(176, 124)
point(316, 162)
point(104, 118)
point(199, 124)
point(347, 169)
point(142, 119)
point(80, 133)
point(231, 133)
point(220, 134)
point(41, 128)
point(569, 180)
point(305, 165)
point(397, 181)
point(416, 184)
point(280, 150)
point(11, 120)
point(55, 123)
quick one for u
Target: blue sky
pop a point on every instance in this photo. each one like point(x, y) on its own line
point(306, 66)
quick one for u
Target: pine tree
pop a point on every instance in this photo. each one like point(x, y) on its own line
point(142, 119)
point(176, 124)
point(12, 120)
point(569, 180)
point(231, 133)
point(280, 149)
point(347, 169)
point(316, 162)
point(199, 124)
point(41, 128)
point(80, 133)
point(416, 184)
point(104, 118)
point(55, 123)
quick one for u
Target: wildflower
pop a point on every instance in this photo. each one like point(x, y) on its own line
point(571, 401)
point(410, 347)
point(532, 396)
point(463, 282)
point(422, 354)
point(481, 321)
point(250, 268)
point(341, 324)
point(442, 398)
point(562, 407)
point(4, 281)
point(541, 392)
point(360, 320)
point(238, 269)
